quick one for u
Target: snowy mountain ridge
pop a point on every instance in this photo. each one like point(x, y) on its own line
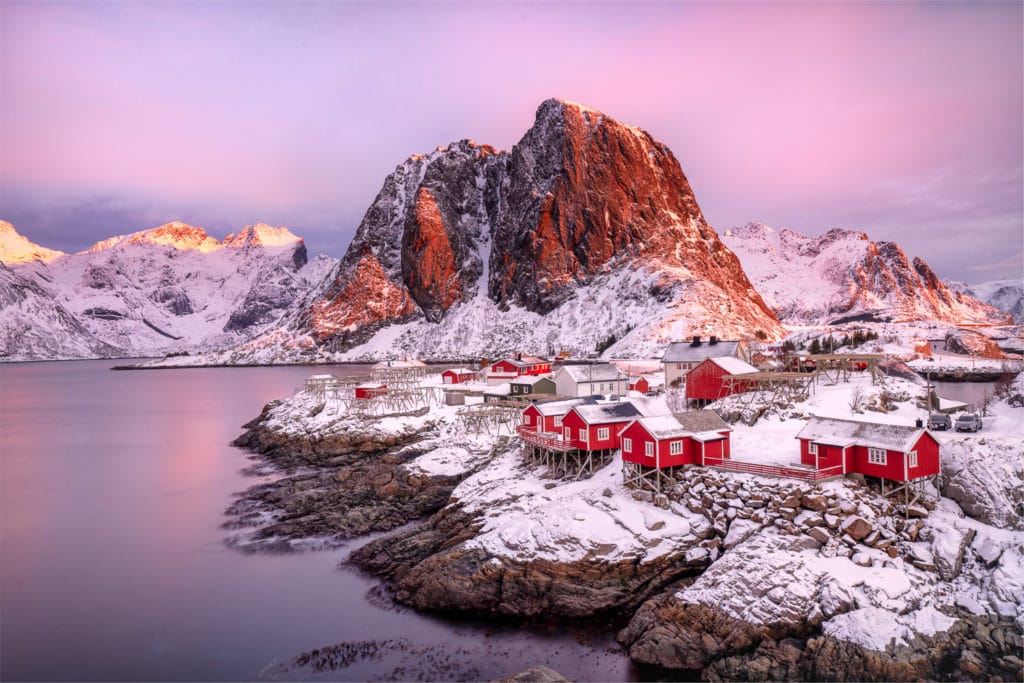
point(1006, 295)
point(843, 276)
point(170, 289)
point(587, 230)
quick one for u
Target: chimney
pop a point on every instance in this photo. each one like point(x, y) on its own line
point(696, 341)
point(519, 356)
point(713, 340)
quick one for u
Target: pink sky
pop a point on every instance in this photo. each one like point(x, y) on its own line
point(900, 119)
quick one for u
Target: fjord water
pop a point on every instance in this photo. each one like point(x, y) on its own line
point(113, 564)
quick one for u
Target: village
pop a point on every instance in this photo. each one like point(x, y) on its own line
point(574, 417)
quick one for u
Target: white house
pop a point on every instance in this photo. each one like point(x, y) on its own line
point(682, 356)
point(588, 380)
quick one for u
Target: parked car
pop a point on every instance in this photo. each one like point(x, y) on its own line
point(940, 422)
point(968, 423)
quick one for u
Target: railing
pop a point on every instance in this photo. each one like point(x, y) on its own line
point(776, 470)
point(544, 439)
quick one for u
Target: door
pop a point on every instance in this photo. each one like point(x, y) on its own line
point(565, 433)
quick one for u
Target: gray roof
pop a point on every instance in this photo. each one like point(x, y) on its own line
point(686, 352)
point(607, 412)
point(603, 372)
point(562, 406)
point(834, 431)
point(702, 421)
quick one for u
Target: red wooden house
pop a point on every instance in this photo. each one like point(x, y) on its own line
point(596, 427)
point(639, 384)
point(547, 417)
point(508, 369)
point(458, 375)
point(706, 382)
point(697, 437)
point(894, 452)
point(371, 390)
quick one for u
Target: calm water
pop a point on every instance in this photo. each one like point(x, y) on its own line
point(113, 564)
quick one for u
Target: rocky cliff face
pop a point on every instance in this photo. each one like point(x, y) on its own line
point(585, 218)
point(1005, 295)
point(170, 289)
point(843, 276)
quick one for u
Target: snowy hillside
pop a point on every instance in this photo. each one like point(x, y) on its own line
point(170, 289)
point(1006, 295)
point(843, 276)
point(15, 248)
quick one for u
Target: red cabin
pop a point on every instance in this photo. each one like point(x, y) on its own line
point(509, 368)
point(371, 390)
point(696, 437)
point(458, 375)
point(596, 427)
point(548, 416)
point(893, 452)
point(639, 384)
point(706, 382)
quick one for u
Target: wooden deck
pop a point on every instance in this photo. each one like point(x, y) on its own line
point(805, 474)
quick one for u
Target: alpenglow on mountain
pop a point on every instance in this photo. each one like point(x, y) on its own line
point(842, 276)
point(586, 230)
point(171, 289)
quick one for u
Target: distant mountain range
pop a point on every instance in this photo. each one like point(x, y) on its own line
point(585, 235)
point(171, 289)
point(842, 276)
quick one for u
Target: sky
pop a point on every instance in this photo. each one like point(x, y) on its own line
point(902, 120)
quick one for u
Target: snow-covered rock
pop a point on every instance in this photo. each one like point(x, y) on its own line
point(1006, 295)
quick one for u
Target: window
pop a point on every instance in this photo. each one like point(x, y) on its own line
point(528, 419)
point(876, 456)
point(558, 420)
point(812, 449)
point(675, 448)
point(649, 449)
point(912, 459)
point(627, 445)
point(583, 435)
point(602, 434)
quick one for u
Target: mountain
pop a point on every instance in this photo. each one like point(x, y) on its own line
point(15, 248)
point(171, 289)
point(586, 232)
point(842, 276)
point(1006, 295)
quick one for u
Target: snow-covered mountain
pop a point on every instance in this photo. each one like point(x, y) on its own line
point(1006, 295)
point(842, 276)
point(587, 229)
point(170, 289)
point(15, 248)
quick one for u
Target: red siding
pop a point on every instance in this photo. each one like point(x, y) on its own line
point(452, 377)
point(712, 451)
point(892, 469)
point(641, 385)
point(574, 422)
point(704, 382)
point(928, 462)
point(368, 392)
point(640, 437)
point(536, 419)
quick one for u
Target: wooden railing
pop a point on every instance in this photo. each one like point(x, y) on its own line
point(776, 470)
point(544, 439)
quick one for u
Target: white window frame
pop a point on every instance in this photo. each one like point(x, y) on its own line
point(528, 419)
point(812, 448)
point(558, 420)
point(583, 434)
point(649, 449)
point(912, 459)
point(603, 434)
point(675, 448)
point(627, 445)
point(878, 456)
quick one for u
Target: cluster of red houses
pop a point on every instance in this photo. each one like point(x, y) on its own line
point(649, 436)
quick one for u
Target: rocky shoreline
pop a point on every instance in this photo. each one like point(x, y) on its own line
point(685, 577)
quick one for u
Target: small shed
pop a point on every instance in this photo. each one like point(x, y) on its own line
point(705, 383)
point(458, 375)
point(639, 384)
point(527, 385)
point(371, 390)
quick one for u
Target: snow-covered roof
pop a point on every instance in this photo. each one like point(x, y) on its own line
point(462, 371)
point(651, 406)
point(697, 421)
point(837, 432)
point(563, 406)
point(503, 389)
point(371, 385)
point(686, 352)
point(662, 427)
point(607, 412)
point(733, 365)
point(320, 377)
point(522, 360)
point(707, 436)
point(530, 380)
point(604, 372)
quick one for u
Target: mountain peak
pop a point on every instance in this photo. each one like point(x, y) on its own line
point(261, 234)
point(15, 248)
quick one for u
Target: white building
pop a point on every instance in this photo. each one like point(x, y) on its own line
point(588, 380)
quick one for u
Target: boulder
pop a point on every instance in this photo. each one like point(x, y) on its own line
point(857, 527)
point(819, 534)
point(818, 503)
point(948, 549)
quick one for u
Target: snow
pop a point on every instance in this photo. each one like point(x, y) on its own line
point(878, 629)
point(733, 365)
